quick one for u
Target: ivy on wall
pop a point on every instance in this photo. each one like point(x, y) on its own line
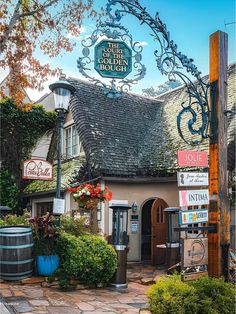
point(20, 132)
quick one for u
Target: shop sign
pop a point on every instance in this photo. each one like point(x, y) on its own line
point(187, 158)
point(193, 178)
point(58, 206)
point(193, 197)
point(194, 252)
point(113, 59)
point(37, 169)
point(193, 216)
point(134, 226)
point(193, 276)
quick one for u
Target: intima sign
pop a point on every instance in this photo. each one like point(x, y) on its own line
point(113, 59)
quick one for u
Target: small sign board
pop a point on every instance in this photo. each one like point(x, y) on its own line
point(193, 197)
point(37, 169)
point(134, 226)
point(113, 59)
point(193, 179)
point(193, 276)
point(192, 158)
point(194, 252)
point(58, 206)
point(193, 216)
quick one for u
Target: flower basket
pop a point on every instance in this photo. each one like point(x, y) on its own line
point(88, 197)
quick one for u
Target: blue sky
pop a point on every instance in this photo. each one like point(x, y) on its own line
point(190, 23)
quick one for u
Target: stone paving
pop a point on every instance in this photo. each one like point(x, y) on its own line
point(38, 299)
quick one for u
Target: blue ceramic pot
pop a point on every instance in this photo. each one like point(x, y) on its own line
point(47, 265)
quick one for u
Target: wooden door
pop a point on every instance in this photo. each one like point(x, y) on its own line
point(159, 231)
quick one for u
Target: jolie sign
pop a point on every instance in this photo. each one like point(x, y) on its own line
point(113, 59)
point(37, 169)
point(192, 158)
point(193, 197)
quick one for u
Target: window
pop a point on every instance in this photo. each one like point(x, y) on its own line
point(71, 142)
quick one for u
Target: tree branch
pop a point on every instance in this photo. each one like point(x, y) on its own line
point(12, 23)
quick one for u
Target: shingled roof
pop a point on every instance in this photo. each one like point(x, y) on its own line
point(133, 135)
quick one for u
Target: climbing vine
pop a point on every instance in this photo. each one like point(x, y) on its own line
point(20, 132)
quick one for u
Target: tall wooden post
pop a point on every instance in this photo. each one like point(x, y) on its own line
point(219, 203)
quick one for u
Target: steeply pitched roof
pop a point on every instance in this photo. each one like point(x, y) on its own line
point(132, 135)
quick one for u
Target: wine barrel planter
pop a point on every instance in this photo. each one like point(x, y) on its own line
point(16, 252)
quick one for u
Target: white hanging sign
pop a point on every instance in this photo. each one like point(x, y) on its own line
point(58, 206)
point(193, 179)
point(193, 197)
point(37, 169)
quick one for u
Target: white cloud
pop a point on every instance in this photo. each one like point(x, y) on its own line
point(82, 30)
point(142, 43)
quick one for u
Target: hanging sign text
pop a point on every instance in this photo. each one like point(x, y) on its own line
point(193, 216)
point(194, 252)
point(192, 158)
point(193, 197)
point(192, 178)
point(37, 169)
point(113, 59)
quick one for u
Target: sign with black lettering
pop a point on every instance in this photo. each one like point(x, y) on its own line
point(113, 59)
point(192, 178)
point(193, 197)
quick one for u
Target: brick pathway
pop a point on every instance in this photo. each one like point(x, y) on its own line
point(37, 299)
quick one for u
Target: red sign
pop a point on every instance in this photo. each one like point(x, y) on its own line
point(192, 158)
point(37, 169)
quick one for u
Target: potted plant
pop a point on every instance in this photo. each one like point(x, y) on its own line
point(45, 240)
point(88, 196)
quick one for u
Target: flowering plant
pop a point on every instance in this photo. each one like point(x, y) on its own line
point(88, 195)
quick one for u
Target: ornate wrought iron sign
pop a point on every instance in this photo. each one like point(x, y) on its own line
point(113, 59)
point(194, 116)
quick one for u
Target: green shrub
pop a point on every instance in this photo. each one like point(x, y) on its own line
point(14, 220)
point(74, 226)
point(214, 295)
point(202, 296)
point(87, 258)
point(171, 295)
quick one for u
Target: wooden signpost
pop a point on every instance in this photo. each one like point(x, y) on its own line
point(219, 203)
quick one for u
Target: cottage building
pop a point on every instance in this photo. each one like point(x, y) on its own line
point(129, 144)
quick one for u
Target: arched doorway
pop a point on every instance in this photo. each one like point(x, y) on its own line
point(146, 232)
point(153, 232)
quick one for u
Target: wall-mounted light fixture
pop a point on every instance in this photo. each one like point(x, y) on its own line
point(134, 207)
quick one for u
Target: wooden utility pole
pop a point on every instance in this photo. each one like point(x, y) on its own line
point(219, 203)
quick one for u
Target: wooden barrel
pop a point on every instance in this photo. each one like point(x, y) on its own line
point(16, 252)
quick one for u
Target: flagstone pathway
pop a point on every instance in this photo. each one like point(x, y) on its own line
point(38, 299)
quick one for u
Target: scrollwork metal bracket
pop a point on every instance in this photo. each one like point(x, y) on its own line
point(169, 61)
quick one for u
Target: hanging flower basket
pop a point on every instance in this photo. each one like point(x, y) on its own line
point(88, 196)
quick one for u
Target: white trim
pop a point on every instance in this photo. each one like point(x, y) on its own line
point(39, 200)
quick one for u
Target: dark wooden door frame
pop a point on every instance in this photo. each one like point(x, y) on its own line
point(159, 229)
